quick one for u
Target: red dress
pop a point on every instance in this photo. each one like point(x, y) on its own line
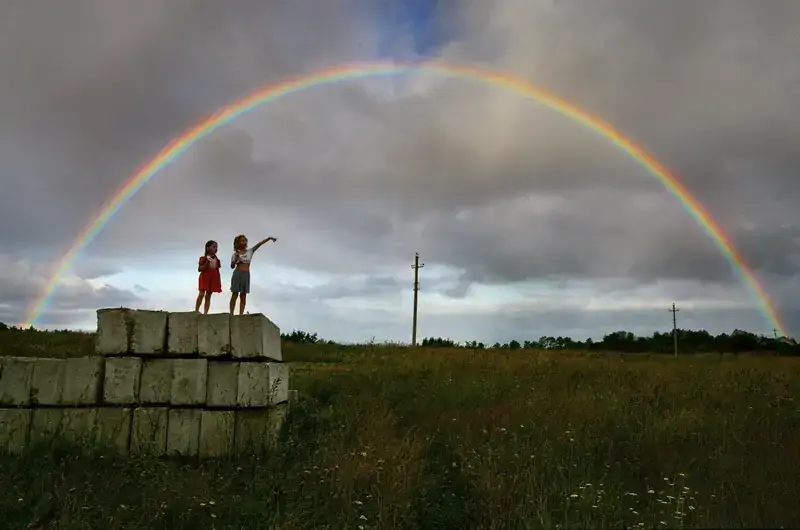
point(210, 280)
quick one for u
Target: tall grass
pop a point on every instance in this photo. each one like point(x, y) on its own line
point(389, 437)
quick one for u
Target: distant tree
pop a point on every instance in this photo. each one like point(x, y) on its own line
point(3, 327)
point(438, 342)
point(301, 337)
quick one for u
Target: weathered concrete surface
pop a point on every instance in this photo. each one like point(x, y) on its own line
point(125, 330)
point(113, 427)
point(47, 381)
point(149, 431)
point(149, 332)
point(261, 384)
point(75, 425)
point(112, 331)
point(46, 425)
point(257, 431)
point(255, 336)
point(182, 332)
point(216, 433)
point(279, 382)
point(214, 335)
point(15, 425)
point(183, 432)
point(78, 426)
point(121, 382)
point(156, 382)
point(189, 377)
point(15, 380)
point(222, 384)
point(253, 385)
point(83, 380)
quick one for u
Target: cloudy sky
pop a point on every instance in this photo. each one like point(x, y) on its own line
point(528, 223)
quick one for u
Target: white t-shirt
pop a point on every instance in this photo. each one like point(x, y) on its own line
point(244, 257)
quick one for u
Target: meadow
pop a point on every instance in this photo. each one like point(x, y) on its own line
point(391, 437)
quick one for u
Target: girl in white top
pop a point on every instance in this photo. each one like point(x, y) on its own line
point(240, 263)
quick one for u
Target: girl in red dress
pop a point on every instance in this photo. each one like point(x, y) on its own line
point(209, 281)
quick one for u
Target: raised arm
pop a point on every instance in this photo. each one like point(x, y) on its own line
point(260, 243)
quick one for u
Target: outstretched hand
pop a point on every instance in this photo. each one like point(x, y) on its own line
point(267, 240)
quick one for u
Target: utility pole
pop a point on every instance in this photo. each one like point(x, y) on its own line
point(775, 333)
point(416, 266)
point(674, 328)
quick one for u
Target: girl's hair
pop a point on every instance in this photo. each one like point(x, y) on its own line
point(236, 241)
point(209, 243)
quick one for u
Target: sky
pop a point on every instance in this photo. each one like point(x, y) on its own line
point(528, 223)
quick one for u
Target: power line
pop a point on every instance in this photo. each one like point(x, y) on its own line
point(416, 266)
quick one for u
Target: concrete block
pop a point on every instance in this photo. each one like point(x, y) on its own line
point(78, 426)
point(279, 382)
point(156, 382)
point(83, 380)
point(183, 432)
point(15, 380)
point(15, 425)
point(214, 335)
point(221, 390)
point(149, 431)
point(47, 381)
point(262, 384)
point(189, 377)
point(113, 428)
point(182, 331)
point(148, 332)
point(131, 331)
point(257, 431)
point(216, 432)
point(255, 336)
point(46, 425)
point(112, 331)
point(122, 381)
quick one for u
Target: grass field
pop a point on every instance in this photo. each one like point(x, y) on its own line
point(388, 437)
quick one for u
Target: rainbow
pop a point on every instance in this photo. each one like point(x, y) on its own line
point(272, 92)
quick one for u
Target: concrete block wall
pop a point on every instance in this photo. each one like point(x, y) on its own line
point(160, 383)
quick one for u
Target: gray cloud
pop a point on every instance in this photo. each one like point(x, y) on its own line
point(78, 298)
point(356, 177)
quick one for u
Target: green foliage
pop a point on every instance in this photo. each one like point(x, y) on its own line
point(303, 337)
point(689, 341)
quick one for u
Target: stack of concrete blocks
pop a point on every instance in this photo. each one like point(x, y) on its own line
point(160, 383)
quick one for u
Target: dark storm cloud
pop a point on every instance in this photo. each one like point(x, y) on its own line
point(363, 174)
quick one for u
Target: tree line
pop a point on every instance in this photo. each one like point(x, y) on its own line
point(689, 342)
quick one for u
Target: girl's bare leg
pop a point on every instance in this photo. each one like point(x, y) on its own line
point(234, 296)
point(242, 303)
point(207, 304)
point(199, 299)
